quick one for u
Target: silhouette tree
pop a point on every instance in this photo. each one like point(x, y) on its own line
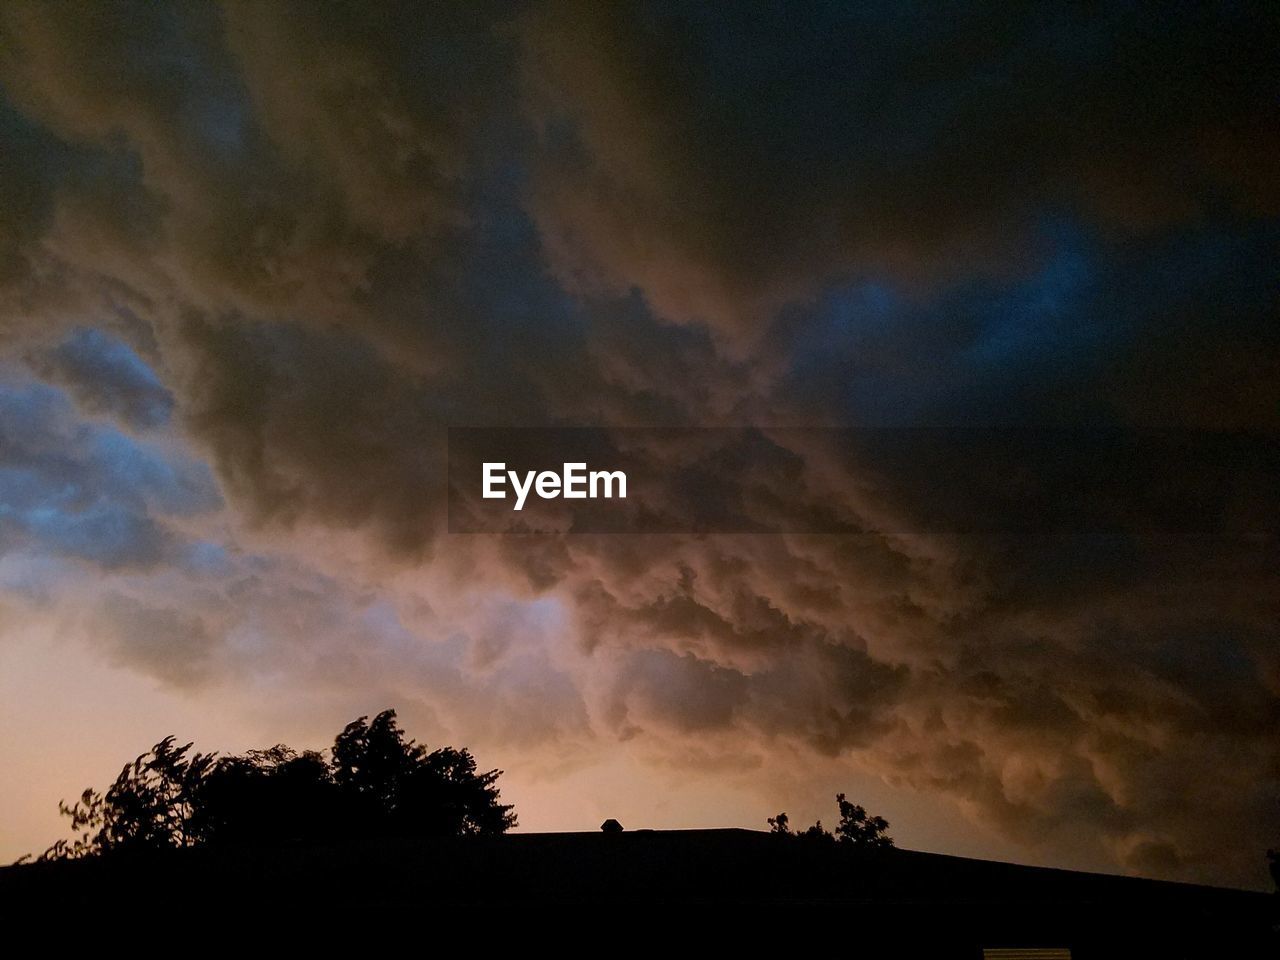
point(856, 828)
point(272, 794)
point(399, 788)
point(860, 830)
point(149, 807)
point(379, 783)
point(372, 761)
point(815, 833)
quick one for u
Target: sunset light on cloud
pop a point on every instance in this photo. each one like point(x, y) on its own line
point(257, 260)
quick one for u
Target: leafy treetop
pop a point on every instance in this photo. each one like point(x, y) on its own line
point(377, 784)
point(856, 828)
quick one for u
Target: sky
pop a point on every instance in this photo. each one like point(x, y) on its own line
point(257, 259)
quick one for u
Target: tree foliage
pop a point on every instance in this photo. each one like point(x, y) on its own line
point(377, 784)
point(856, 829)
point(397, 783)
point(859, 829)
point(151, 805)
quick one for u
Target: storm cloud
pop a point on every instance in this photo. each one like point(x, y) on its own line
point(257, 259)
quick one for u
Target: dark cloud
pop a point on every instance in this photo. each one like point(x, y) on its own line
point(107, 377)
point(302, 241)
point(169, 644)
point(727, 163)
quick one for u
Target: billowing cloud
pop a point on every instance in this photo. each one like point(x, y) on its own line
point(730, 164)
point(257, 260)
point(89, 491)
point(107, 377)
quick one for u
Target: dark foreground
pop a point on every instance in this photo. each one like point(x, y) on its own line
point(753, 885)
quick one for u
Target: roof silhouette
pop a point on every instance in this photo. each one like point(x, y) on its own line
point(952, 900)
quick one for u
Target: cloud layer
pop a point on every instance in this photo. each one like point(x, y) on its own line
point(257, 259)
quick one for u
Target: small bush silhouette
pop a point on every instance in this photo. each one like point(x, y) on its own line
point(378, 784)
